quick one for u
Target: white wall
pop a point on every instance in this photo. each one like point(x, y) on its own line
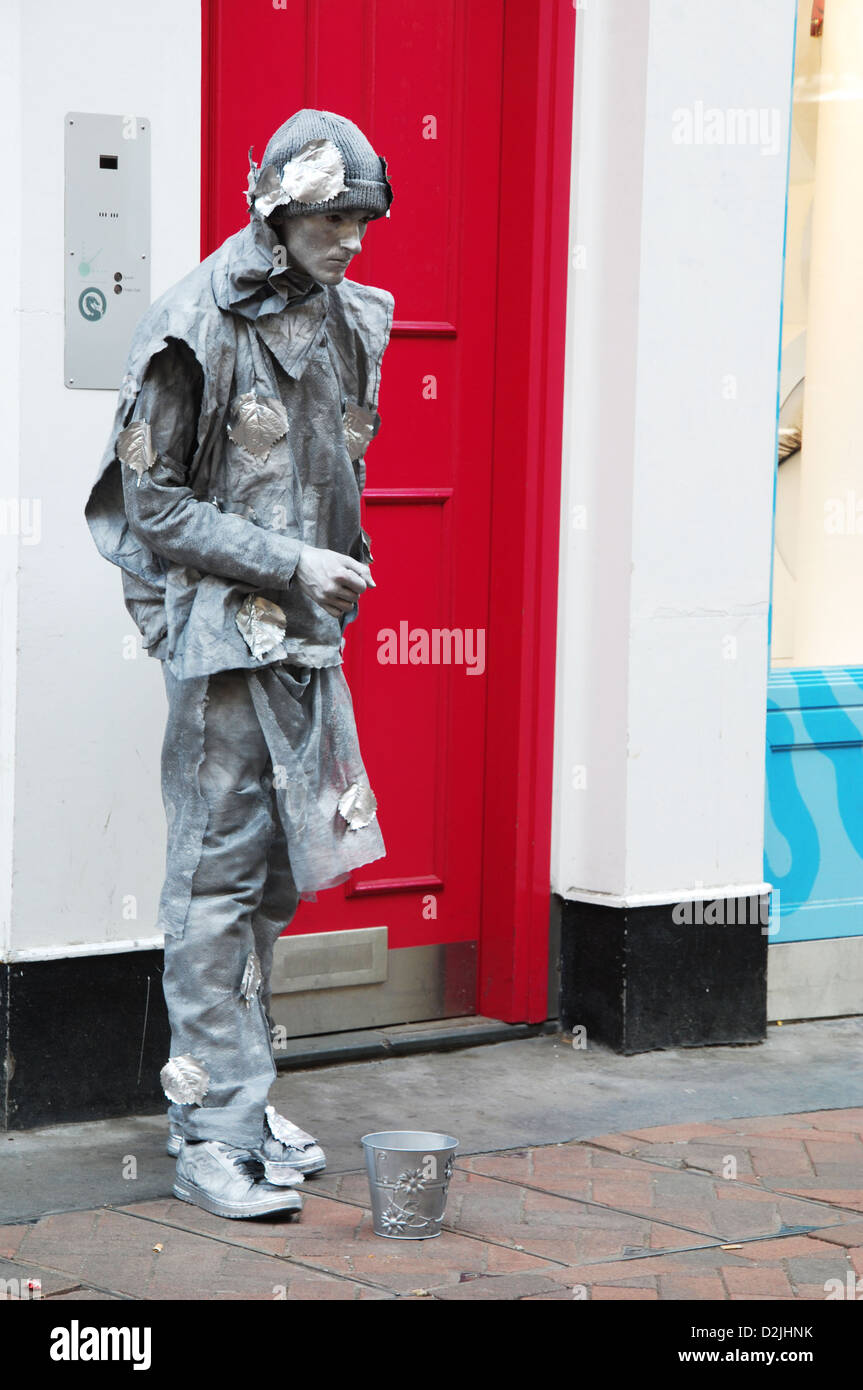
point(670, 424)
point(88, 821)
point(10, 298)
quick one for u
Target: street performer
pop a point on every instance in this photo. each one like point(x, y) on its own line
point(229, 496)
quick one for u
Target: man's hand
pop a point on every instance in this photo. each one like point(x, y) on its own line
point(334, 581)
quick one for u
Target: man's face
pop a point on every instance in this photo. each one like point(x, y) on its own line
point(323, 244)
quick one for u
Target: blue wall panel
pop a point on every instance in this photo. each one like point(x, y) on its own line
point(813, 833)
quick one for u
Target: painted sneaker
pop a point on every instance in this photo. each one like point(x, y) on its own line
point(227, 1182)
point(287, 1148)
point(297, 1152)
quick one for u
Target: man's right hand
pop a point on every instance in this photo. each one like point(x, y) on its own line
point(334, 581)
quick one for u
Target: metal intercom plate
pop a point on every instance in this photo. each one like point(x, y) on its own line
point(107, 245)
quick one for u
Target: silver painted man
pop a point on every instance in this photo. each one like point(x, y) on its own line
point(229, 495)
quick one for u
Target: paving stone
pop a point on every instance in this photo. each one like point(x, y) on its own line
point(769, 1281)
point(674, 1134)
point(119, 1256)
point(851, 1198)
point(510, 1287)
point(559, 1297)
point(756, 1124)
point(765, 1298)
point(769, 1161)
point(629, 1217)
point(710, 1209)
point(546, 1225)
point(337, 1238)
point(787, 1248)
point(810, 1269)
point(550, 1226)
point(850, 1233)
point(10, 1239)
point(678, 1286)
point(608, 1293)
point(757, 1270)
point(353, 1187)
point(832, 1137)
point(621, 1143)
point(850, 1119)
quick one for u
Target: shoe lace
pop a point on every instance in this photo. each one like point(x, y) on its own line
point(244, 1161)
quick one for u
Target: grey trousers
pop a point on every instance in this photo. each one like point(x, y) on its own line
point(242, 896)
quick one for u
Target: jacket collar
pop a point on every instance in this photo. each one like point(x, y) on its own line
point(247, 282)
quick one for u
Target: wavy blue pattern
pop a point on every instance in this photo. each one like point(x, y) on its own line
point(813, 839)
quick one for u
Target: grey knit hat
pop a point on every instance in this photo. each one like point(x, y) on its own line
point(318, 162)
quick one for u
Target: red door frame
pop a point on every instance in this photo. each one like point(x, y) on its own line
point(529, 341)
point(539, 51)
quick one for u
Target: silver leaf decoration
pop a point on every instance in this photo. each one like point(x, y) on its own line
point(251, 981)
point(135, 447)
point(254, 176)
point(184, 1080)
point(262, 624)
point(357, 806)
point(267, 191)
point(316, 174)
point(286, 1132)
point(259, 421)
point(360, 426)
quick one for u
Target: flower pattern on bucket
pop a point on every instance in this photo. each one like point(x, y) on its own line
point(411, 1182)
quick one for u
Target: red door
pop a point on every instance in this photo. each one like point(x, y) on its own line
point(426, 84)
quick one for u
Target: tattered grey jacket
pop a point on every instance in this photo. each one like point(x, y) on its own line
point(206, 518)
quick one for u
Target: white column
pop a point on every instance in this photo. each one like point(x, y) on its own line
point(10, 259)
point(89, 828)
point(678, 197)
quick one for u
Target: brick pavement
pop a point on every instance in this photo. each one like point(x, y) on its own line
point(756, 1209)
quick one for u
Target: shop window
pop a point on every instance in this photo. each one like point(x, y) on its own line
point(818, 557)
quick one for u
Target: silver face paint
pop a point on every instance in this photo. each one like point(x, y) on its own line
point(184, 1080)
point(360, 426)
point(262, 624)
point(135, 447)
point(357, 806)
point(258, 423)
point(251, 981)
point(323, 244)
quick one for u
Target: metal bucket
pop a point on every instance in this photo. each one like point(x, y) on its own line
point(409, 1172)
